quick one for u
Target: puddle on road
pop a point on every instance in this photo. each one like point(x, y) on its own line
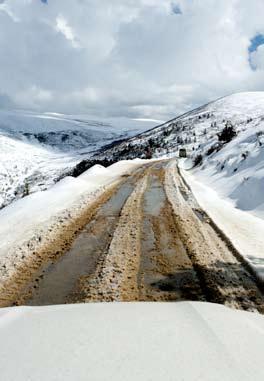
point(154, 201)
point(59, 279)
point(154, 197)
point(115, 204)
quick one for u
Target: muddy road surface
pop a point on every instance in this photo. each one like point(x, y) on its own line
point(149, 241)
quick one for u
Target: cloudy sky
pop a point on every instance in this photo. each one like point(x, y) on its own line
point(133, 58)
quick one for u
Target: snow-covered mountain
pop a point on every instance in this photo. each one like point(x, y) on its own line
point(37, 149)
point(196, 130)
point(224, 139)
point(64, 132)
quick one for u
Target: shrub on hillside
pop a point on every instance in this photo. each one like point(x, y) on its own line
point(245, 155)
point(26, 189)
point(227, 134)
point(198, 160)
point(214, 148)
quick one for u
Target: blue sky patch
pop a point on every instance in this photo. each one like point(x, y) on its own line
point(176, 9)
point(255, 42)
point(44, 1)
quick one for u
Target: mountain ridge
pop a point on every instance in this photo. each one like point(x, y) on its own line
point(204, 109)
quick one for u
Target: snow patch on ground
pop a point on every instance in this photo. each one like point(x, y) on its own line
point(131, 341)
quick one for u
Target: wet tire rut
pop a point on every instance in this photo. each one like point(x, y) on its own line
point(57, 282)
point(222, 273)
point(166, 271)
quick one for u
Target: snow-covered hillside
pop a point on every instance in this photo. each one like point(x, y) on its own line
point(26, 168)
point(37, 149)
point(235, 169)
point(64, 132)
point(232, 162)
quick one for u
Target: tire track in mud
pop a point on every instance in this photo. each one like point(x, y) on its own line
point(116, 275)
point(166, 271)
point(54, 278)
point(223, 277)
point(17, 287)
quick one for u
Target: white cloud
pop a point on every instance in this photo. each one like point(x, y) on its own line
point(132, 58)
point(63, 27)
point(33, 97)
point(5, 8)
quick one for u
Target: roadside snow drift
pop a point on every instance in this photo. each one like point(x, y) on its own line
point(131, 341)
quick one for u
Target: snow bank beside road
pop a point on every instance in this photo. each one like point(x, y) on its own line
point(131, 341)
point(243, 229)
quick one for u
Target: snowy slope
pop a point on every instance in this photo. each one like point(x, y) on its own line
point(26, 168)
point(37, 149)
point(59, 131)
point(131, 341)
point(237, 171)
point(198, 129)
point(234, 169)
